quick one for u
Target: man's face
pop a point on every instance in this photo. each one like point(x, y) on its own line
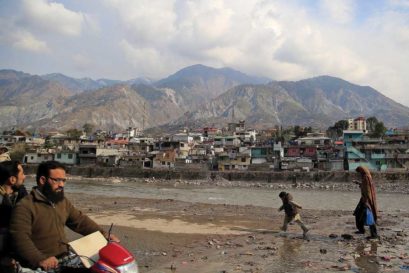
point(18, 180)
point(53, 185)
point(20, 177)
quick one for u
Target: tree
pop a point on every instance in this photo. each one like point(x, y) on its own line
point(18, 152)
point(74, 133)
point(301, 131)
point(379, 131)
point(336, 131)
point(298, 131)
point(88, 128)
point(375, 127)
point(371, 123)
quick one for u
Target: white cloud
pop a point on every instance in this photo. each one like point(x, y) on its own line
point(147, 61)
point(402, 3)
point(50, 16)
point(20, 39)
point(145, 22)
point(26, 41)
point(82, 62)
point(340, 11)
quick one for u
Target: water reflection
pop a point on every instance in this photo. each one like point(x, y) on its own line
point(289, 253)
point(367, 261)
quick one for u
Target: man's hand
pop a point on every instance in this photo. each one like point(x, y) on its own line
point(113, 238)
point(48, 263)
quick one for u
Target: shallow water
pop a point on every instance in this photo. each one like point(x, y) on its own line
point(309, 199)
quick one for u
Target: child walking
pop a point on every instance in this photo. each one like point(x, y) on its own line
point(291, 210)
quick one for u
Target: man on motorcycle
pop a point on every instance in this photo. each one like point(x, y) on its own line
point(38, 221)
point(11, 191)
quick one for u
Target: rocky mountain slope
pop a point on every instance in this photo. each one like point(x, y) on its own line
point(194, 96)
point(317, 102)
point(26, 98)
point(199, 83)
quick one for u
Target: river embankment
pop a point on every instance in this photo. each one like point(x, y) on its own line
point(195, 174)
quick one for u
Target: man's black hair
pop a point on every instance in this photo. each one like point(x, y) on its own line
point(45, 167)
point(282, 194)
point(8, 169)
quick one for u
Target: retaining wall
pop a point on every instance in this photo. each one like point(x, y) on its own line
point(194, 174)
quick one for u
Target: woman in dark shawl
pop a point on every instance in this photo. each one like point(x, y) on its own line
point(366, 213)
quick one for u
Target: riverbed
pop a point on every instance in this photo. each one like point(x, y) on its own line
point(206, 227)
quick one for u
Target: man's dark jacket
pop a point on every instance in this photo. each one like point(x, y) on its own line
point(37, 227)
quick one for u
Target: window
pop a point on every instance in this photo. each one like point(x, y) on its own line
point(70, 156)
point(243, 159)
point(59, 156)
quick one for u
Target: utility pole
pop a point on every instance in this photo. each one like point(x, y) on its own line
point(143, 116)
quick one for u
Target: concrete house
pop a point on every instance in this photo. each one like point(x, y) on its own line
point(38, 156)
point(107, 157)
point(87, 154)
point(164, 160)
point(239, 162)
point(67, 157)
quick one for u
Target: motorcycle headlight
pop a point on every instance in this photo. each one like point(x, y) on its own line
point(128, 268)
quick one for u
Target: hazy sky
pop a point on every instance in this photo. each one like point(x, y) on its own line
point(363, 41)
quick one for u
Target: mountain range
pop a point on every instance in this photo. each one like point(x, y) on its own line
point(195, 96)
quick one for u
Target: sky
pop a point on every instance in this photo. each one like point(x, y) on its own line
point(365, 42)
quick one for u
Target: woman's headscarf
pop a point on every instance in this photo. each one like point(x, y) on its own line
point(368, 192)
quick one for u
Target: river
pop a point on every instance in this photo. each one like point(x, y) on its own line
point(265, 197)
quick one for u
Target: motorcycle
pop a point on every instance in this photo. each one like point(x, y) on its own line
point(94, 254)
point(112, 258)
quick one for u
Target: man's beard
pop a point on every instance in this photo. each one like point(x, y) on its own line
point(53, 196)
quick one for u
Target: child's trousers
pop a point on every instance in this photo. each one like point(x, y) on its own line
point(297, 219)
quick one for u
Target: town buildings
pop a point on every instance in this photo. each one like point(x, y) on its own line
point(235, 148)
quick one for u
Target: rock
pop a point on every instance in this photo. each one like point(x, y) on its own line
point(386, 258)
point(347, 236)
point(332, 235)
point(323, 251)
